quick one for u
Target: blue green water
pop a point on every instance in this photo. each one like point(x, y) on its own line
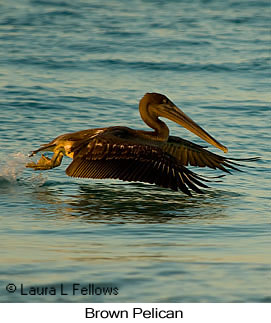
point(73, 65)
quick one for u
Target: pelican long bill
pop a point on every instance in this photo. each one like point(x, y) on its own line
point(172, 112)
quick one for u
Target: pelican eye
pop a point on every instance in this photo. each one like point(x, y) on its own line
point(165, 100)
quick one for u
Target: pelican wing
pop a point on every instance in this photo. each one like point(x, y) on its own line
point(188, 153)
point(110, 157)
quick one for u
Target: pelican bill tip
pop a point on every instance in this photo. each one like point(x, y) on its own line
point(225, 149)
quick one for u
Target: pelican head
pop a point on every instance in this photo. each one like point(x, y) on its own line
point(158, 105)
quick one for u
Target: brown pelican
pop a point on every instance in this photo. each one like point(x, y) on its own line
point(135, 155)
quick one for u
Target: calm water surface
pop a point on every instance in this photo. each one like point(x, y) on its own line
point(73, 65)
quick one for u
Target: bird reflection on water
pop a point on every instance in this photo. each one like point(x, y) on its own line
point(111, 203)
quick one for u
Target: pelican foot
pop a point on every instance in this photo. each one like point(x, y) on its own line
point(42, 164)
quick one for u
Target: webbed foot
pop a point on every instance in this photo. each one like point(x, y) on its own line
point(42, 164)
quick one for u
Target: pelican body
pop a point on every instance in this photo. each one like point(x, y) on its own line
point(134, 155)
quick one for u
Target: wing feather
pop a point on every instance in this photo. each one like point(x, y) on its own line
point(183, 157)
point(106, 157)
point(188, 153)
point(190, 184)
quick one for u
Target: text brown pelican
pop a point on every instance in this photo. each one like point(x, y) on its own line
point(135, 155)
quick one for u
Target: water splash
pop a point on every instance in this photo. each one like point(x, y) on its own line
point(36, 179)
point(12, 168)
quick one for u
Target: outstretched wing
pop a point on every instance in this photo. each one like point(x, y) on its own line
point(188, 153)
point(107, 156)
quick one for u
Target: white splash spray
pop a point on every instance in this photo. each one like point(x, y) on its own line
point(12, 168)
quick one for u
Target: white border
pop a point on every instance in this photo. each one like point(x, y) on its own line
point(76, 312)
